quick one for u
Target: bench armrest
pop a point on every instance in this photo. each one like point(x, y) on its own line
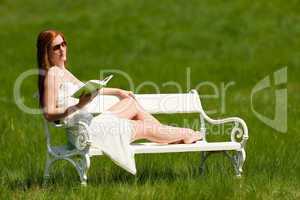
point(79, 136)
point(239, 131)
point(236, 132)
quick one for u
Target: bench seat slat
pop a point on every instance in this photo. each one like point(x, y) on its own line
point(150, 147)
point(199, 146)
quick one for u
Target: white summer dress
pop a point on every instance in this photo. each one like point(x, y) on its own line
point(108, 132)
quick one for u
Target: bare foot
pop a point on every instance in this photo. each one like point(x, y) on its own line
point(193, 138)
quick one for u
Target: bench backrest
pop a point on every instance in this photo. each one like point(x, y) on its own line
point(154, 103)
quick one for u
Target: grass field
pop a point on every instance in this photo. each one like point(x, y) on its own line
point(218, 41)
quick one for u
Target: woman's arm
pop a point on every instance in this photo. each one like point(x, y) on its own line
point(117, 92)
point(109, 91)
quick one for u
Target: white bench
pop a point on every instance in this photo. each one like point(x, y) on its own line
point(157, 104)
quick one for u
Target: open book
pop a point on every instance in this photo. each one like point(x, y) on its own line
point(91, 86)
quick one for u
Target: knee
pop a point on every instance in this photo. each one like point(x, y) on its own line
point(134, 105)
point(128, 102)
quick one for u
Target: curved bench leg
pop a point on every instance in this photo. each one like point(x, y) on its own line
point(85, 165)
point(48, 164)
point(237, 160)
point(204, 156)
point(82, 166)
point(233, 159)
point(241, 157)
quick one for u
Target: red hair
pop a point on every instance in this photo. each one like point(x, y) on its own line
point(44, 41)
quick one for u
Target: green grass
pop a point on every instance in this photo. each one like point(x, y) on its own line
point(220, 41)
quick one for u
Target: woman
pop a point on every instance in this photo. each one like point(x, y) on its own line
point(55, 78)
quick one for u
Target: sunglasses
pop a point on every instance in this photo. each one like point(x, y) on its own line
point(56, 47)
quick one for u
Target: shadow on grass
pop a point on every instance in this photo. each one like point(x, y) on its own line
point(68, 178)
point(107, 174)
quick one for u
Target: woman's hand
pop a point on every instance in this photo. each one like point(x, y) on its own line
point(86, 98)
point(122, 94)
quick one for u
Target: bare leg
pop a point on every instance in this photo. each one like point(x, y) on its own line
point(130, 109)
point(164, 134)
point(148, 127)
